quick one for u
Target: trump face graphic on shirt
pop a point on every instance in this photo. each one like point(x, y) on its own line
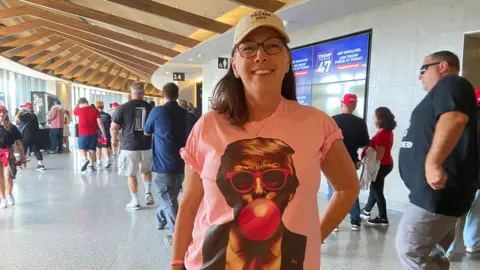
point(258, 180)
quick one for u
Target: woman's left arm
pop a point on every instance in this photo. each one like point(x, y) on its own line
point(21, 150)
point(342, 175)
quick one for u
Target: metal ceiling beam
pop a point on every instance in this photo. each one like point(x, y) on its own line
point(176, 14)
point(115, 20)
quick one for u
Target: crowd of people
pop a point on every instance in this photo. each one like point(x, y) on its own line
point(249, 165)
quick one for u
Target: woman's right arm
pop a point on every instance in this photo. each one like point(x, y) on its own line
point(191, 198)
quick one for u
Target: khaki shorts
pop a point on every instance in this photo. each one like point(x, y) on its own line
point(129, 162)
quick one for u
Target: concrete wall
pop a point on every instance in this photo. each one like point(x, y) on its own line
point(211, 75)
point(187, 90)
point(64, 94)
point(403, 34)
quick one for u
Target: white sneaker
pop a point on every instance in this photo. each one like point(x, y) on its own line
point(99, 163)
point(3, 203)
point(133, 205)
point(473, 250)
point(10, 200)
point(355, 227)
point(149, 199)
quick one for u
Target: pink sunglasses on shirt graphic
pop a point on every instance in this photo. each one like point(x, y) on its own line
point(272, 179)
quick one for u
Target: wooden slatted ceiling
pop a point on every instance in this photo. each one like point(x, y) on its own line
point(29, 61)
point(94, 72)
point(110, 52)
point(66, 21)
point(34, 50)
point(270, 5)
point(175, 14)
point(29, 39)
point(115, 20)
point(105, 74)
point(92, 60)
point(106, 43)
point(10, 30)
point(72, 53)
point(83, 56)
point(113, 82)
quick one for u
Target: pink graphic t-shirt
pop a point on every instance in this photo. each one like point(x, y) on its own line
point(260, 183)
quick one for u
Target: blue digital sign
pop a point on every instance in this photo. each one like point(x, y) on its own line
point(340, 60)
point(303, 65)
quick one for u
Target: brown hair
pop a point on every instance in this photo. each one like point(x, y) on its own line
point(229, 95)
point(385, 118)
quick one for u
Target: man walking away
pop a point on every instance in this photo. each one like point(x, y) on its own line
point(136, 151)
point(27, 122)
point(438, 163)
point(57, 123)
point(88, 122)
point(355, 136)
point(170, 125)
point(104, 143)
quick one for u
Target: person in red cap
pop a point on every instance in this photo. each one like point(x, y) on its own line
point(9, 135)
point(355, 136)
point(27, 122)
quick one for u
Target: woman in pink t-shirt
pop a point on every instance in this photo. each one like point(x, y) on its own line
point(253, 166)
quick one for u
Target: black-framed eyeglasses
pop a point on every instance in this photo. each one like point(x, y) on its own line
point(425, 67)
point(271, 46)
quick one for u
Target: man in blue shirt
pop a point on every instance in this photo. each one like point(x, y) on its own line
point(170, 125)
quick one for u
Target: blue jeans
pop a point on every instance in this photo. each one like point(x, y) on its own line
point(354, 212)
point(467, 229)
point(168, 187)
point(56, 140)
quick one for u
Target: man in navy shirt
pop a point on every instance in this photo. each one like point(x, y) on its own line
point(438, 163)
point(170, 125)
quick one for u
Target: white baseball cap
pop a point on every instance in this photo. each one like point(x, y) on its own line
point(259, 18)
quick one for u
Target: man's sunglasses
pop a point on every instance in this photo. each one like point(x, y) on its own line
point(425, 67)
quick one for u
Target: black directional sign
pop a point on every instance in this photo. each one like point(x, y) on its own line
point(222, 63)
point(178, 76)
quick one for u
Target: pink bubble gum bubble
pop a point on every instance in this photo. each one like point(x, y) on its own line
point(259, 220)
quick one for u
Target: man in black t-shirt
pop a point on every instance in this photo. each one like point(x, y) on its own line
point(355, 136)
point(136, 151)
point(438, 163)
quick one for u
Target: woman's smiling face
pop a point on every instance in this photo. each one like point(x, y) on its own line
point(263, 72)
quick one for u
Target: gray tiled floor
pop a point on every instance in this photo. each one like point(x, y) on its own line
point(66, 220)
